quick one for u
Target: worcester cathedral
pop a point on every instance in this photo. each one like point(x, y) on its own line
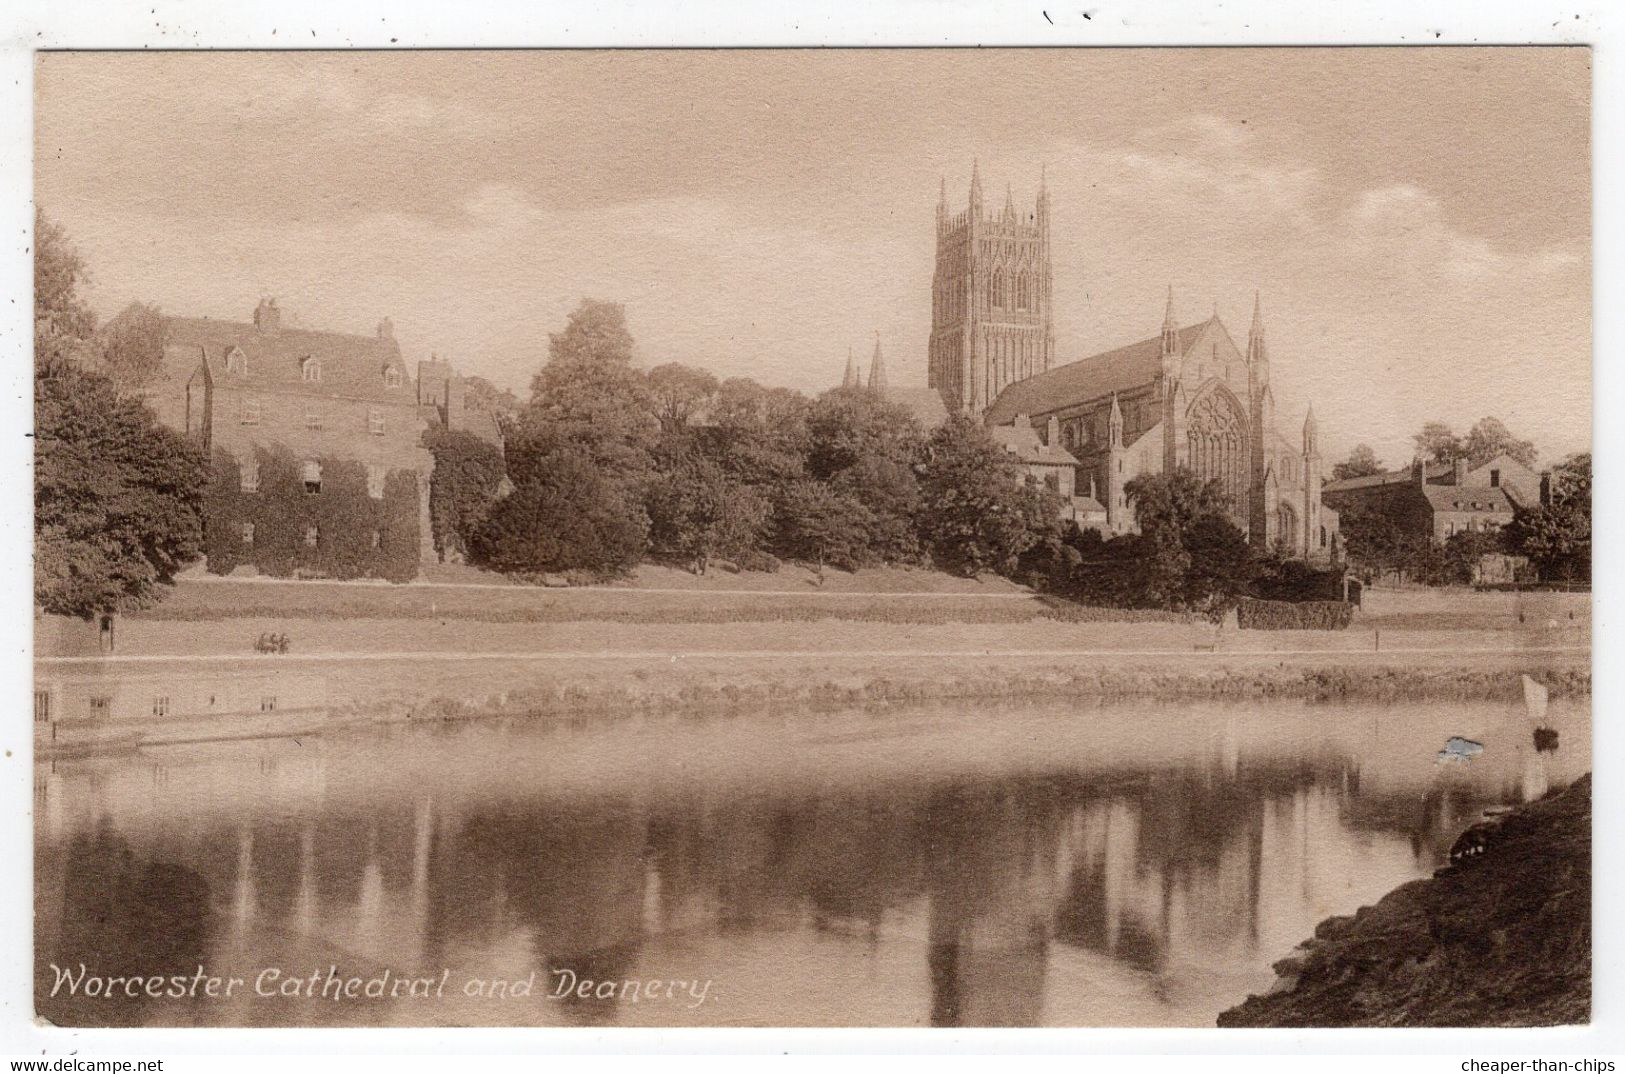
point(1187, 395)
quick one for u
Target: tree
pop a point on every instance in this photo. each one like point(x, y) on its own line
point(118, 498)
point(1556, 536)
point(1437, 443)
point(1195, 557)
point(1378, 536)
point(132, 346)
point(596, 332)
point(1489, 438)
point(758, 434)
point(817, 524)
point(680, 392)
point(588, 399)
point(975, 513)
point(846, 425)
point(63, 324)
point(1362, 462)
point(468, 475)
point(696, 511)
point(564, 514)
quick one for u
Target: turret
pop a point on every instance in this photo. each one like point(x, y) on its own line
point(942, 207)
point(975, 190)
point(1116, 501)
point(1009, 202)
point(1258, 355)
point(1312, 522)
point(877, 369)
point(1170, 339)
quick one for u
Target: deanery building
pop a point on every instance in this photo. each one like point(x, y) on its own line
point(238, 387)
point(1440, 500)
point(1187, 396)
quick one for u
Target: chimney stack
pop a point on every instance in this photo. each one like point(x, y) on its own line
point(386, 329)
point(1052, 431)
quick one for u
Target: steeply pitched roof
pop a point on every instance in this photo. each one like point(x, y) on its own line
point(1121, 370)
point(1023, 441)
point(352, 366)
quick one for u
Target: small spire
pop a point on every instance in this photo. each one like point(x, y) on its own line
point(1309, 418)
point(877, 369)
point(1009, 200)
point(1256, 351)
point(1215, 310)
point(851, 380)
point(975, 182)
point(1168, 313)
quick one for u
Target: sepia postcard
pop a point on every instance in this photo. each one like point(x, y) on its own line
point(1070, 537)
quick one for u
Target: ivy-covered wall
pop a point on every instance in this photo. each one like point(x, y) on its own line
point(337, 531)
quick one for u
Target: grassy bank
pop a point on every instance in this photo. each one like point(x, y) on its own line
point(645, 690)
point(1498, 939)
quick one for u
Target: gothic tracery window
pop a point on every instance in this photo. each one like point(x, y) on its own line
point(1216, 443)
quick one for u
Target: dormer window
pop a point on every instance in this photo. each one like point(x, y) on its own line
point(311, 370)
point(392, 377)
point(237, 361)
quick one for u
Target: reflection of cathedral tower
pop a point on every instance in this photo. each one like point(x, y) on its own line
point(990, 299)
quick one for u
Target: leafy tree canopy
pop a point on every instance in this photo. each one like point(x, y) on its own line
point(117, 498)
point(1362, 462)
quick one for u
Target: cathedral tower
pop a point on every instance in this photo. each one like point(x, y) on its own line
point(991, 323)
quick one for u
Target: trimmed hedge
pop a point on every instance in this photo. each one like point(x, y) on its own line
point(1294, 615)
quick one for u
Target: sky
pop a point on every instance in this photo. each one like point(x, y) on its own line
point(1416, 222)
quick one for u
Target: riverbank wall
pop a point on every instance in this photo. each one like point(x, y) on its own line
point(1501, 937)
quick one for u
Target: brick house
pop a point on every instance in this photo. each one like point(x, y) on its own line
point(239, 387)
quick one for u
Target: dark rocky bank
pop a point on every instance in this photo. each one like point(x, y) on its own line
point(1498, 938)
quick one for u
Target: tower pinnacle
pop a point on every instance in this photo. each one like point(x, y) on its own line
point(1257, 353)
point(877, 369)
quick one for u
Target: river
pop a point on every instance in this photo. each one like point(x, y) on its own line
point(1119, 864)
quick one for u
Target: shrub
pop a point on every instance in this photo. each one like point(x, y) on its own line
point(1294, 615)
point(467, 479)
point(563, 514)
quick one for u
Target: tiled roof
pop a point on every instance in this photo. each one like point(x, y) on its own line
point(1466, 498)
point(351, 366)
point(1023, 442)
point(1121, 370)
point(1088, 505)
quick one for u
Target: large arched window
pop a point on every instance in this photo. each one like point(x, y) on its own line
point(996, 292)
point(1286, 525)
point(1216, 447)
point(1024, 292)
point(311, 370)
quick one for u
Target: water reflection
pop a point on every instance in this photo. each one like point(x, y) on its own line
point(1035, 871)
